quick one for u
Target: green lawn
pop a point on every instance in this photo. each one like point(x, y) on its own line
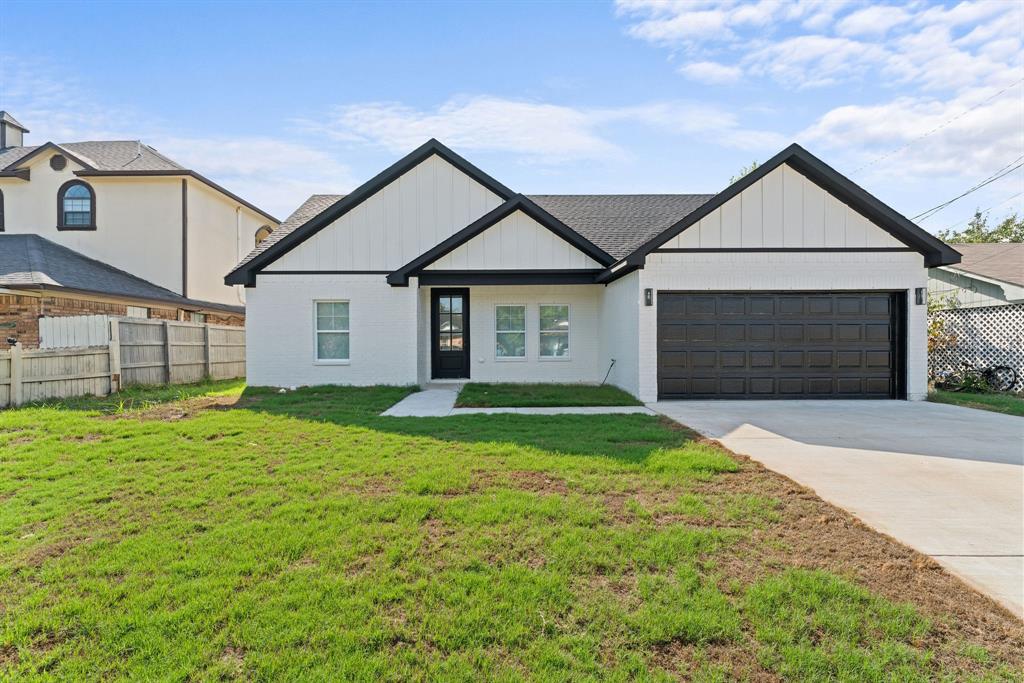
point(178, 534)
point(1010, 404)
point(482, 395)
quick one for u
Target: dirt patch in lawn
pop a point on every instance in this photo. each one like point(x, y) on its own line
point(179, 410)
point(813, 534)
point(523, 480)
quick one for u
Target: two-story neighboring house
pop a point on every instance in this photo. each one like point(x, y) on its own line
point(115, 227)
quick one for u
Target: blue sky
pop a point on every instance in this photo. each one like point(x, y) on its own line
point(917, 102)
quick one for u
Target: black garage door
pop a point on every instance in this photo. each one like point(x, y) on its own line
point(780, 345)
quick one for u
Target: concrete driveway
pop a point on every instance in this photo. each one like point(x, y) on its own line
point(945, 480)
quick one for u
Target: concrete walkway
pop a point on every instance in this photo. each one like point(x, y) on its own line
point(439, 401)
point(945, 480)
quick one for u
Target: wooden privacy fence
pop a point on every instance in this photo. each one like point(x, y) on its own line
point(138, 352)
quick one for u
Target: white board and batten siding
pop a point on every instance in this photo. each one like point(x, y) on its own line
point(515, 242)
point(413, 213)
point(783, 210)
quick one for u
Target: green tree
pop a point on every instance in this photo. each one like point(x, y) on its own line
point(1010, 229)
point(744, 171)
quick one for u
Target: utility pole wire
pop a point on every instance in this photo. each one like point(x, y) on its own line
point(985, 211)
point(937, 128)
point(1005, 170)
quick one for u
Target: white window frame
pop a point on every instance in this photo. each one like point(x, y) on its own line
point(137, 312)
point(568, 334)
point(526, 338)
point(317, 332)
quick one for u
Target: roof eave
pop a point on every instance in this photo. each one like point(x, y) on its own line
point(935, 251)
point(46, 146)
point(400, 277)
point(244, 274)
point(184, 172)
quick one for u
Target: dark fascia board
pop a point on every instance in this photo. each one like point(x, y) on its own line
point(509, 277)
point(22, 173)
point(178, 173)
point(46, 147)
point(935, 251)
point(186, 304)
point(400, 277)
point(246, 273)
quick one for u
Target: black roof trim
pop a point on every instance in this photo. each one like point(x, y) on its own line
point(400, 277)
point(509, 277)
point(46, 146)
point(245, 274)
point(179, 172)
point(935, 251)
point(23, 173)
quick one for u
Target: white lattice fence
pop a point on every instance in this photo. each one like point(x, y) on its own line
point(988, 336)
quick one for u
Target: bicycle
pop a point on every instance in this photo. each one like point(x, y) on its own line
point(971, 378)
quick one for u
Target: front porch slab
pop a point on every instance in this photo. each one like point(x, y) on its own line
point(439, 401)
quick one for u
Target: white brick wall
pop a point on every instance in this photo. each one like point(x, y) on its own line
point(279, 331)
point(620, 319)
point(774, 271)
point(584, 334)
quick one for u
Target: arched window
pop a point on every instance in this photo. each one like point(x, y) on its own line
point(1, 210)
point(263, 233)
point(76, 206)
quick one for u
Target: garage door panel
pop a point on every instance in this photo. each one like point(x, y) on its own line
point(776, 345)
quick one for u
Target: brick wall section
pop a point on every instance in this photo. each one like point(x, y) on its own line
point(19, 315)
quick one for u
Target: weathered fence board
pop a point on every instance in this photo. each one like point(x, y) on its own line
point(131, 351)
point(74, 330)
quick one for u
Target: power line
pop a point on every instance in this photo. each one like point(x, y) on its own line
point(1005, 170)
point(984, 211)
point(937, 128)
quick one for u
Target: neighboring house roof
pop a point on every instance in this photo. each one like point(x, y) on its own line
point(1000, 261)
point(7, 118)
point(105, 155)
point(29, 261)
point(625, 227)
point(113, 158)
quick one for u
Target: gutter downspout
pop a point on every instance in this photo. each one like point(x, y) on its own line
point(239, 289)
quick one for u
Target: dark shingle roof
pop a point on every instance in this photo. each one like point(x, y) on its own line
point(1000, 261)
point(615, 223)
point(619, 223)
point(310, 208)
point(30, 260)
point(106, 155)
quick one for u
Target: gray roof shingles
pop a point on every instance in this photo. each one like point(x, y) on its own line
point(999, 261)
point(106, 155)
point(309, 209)
point(616, 223)
point(30, 260)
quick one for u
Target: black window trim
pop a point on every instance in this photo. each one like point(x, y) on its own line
point(60, 205)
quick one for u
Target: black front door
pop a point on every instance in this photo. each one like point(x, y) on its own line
point(449, 333)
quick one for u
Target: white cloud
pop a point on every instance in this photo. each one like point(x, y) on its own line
point(537, 132)
point(872, 21)
point(969, 135)
point(711, 72)
point(273, 173)
point(276, 175)
point(925, 64)
point(813, 61)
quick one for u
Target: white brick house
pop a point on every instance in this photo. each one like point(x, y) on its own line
point(791, 283)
